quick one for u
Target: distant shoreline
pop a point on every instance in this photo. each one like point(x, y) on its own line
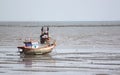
point(59, 23)
point(60, 26)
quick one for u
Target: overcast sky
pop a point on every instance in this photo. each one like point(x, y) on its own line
point(59, 10)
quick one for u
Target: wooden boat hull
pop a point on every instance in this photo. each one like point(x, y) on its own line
point(40, 50)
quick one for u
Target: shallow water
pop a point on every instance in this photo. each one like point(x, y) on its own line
point(79, 50)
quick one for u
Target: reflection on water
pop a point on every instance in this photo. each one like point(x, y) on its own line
point(28, 60)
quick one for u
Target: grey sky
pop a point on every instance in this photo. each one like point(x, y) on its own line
point(59, 10)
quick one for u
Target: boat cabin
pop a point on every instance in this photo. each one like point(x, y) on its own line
point(32, 44)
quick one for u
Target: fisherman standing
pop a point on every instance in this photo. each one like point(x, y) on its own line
point(44, 35)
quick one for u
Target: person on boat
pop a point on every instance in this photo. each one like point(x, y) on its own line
point(44, 35)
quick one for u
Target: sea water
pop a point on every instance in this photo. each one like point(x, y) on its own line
point(79, 50)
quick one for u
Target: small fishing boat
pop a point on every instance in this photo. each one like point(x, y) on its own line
point(33, 48)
